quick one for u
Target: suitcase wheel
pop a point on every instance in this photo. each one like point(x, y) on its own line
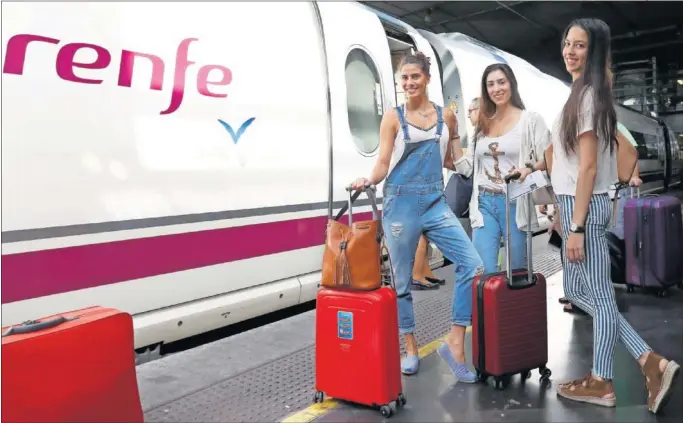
point(630, 288)
point(388, 410)
point(502, 382)
point(319, 397)
point(525, 375)
point(545, 374)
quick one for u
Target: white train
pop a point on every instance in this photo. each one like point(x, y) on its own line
point(181, 164)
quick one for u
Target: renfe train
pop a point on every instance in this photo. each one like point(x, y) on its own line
point(181, 166)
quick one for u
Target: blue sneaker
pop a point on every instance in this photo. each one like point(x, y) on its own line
point(410, 364)
point(461, 372)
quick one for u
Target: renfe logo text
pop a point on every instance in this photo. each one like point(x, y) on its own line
point(65, 64)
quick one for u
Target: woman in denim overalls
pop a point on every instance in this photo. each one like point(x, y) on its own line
point(414, 148)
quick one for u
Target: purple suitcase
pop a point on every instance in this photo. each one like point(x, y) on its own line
point(653, 234)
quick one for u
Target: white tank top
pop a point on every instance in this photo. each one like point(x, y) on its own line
point(417, 135)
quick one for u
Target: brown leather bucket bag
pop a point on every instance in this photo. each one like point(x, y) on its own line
point(352, 259)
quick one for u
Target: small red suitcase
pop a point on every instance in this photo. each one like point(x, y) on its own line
point(73, 367)
point(357, 352)
point(509, 320)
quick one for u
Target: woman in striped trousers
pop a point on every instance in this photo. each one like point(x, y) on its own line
point(583, 169)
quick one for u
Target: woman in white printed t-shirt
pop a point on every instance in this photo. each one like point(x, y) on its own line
point(583, 168)
point(507, 139)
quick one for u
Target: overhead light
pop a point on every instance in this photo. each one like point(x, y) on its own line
point(680, 82)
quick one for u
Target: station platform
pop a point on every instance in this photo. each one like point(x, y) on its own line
point(268, 375)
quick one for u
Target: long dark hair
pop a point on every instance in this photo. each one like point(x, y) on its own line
point(487, 108)
point(596, 75)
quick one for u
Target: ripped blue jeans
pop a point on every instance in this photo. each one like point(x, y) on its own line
point(414, 209)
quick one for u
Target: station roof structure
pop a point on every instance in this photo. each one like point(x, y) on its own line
point(533, 30)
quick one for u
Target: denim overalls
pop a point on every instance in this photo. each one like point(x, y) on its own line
point(414, 203)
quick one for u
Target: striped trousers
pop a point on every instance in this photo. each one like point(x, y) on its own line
point(588, 285)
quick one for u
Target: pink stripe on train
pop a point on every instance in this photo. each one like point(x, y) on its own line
point(48, 272)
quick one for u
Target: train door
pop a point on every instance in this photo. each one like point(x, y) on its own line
point(450, 77)
point(361, 84)
point(404, 43)
point(673, 175)
point(665, 153)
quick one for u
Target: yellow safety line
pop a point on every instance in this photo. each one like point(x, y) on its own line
point(314, 411)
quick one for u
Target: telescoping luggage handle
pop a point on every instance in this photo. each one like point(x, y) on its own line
point(370, 192)
point(634, 193)
point(530, 279)
point(34, 326)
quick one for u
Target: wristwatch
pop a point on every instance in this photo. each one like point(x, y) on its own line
point(530, 166)
point(577, 229)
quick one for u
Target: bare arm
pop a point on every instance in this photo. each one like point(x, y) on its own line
point(588, 169)
point(542, 140)
point(548, 163)
point(456, 159)
point(387, 134)
point(541, 164)
point(627, 159)
point(454, 149)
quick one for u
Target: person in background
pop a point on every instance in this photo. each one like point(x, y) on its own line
point(423, 277)
point(583, 161)
point(415, 145)
point(473, 112)
point(505, 136)
point(624, 193)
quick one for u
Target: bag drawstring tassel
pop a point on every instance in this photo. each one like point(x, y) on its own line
point(342, 274)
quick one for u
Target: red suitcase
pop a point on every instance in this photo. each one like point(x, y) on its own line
point(73, 367)
point(357, 352)
point(509, 320)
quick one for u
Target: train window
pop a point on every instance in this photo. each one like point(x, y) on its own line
point(647, 145)
point(363, 100)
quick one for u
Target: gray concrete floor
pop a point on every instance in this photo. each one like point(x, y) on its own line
point(435, 396)
point(268, 373)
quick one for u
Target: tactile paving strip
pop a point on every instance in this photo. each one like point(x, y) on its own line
point(273, 391)
point(264, 394)
point(547, 263)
